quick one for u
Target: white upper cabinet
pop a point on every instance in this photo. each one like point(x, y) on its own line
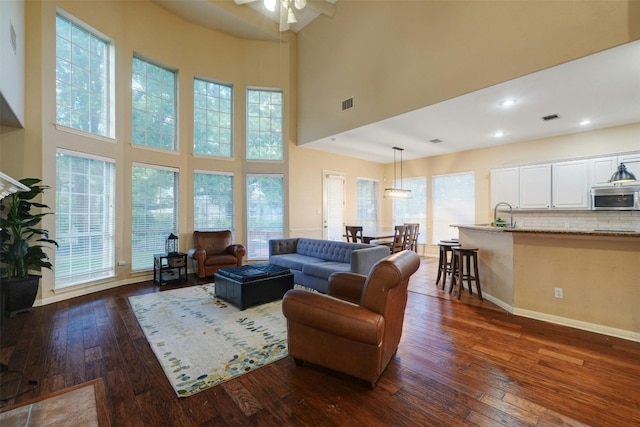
point(558, 185)
point(505, 186)
point(535, 186)
point(569, 185)
point(601, 169)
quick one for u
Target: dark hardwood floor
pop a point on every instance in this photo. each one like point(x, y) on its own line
point(459, 363)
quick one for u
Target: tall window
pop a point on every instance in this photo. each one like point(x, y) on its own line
point(265, 213)
point(84, 218)
point(82, 79)
point(212, 118)
point(264, 124)
point(414, 209)
point(367, 203)
point(155, 212)
point(153, 90)
point(212, 201)
point(454, 202)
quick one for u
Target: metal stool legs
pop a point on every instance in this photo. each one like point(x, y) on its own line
point(463, 260)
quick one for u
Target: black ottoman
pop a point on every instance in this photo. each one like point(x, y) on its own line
point(254, 284)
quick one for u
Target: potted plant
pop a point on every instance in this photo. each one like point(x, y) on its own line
point(21, 246)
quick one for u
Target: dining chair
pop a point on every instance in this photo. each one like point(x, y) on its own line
point(412, 236)
point(354, 233)
point(399, 238)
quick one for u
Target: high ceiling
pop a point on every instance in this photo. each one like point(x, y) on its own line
point(603, 88)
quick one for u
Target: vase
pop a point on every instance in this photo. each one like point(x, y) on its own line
point(20, 294)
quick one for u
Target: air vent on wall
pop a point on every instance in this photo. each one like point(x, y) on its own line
point(550, 117)
point(435, 140)
point(347, 104)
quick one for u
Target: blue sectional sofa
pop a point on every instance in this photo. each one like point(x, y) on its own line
point(312, 261)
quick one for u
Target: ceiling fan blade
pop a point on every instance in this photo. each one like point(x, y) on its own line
point(243, 1)
point(322, 6)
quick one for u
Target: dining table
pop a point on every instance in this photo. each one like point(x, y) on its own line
point(369, 236)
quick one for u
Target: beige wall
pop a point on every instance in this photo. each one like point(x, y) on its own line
point(397, 56)
point(598, 275)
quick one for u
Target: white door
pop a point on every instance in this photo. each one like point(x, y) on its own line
point(333, 206)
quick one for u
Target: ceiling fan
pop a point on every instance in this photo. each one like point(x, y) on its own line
point(288, 7)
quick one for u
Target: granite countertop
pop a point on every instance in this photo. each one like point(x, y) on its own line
point(596, 232)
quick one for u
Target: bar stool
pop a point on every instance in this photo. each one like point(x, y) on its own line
point(444, 260)
point(463, 260)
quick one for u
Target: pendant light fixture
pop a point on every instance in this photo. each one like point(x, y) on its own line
point(397, 193)
point(622, 175)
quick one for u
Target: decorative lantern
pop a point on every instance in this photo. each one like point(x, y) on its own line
point(172, 244)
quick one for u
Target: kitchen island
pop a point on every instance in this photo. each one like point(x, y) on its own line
point(597, 273)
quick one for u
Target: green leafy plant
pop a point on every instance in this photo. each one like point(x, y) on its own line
point(501, 223)
point(21, 241)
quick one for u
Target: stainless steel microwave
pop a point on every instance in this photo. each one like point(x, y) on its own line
point(616, 198)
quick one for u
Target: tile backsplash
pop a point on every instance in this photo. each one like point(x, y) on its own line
point(576, 220)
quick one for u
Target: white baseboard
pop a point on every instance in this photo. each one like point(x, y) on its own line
point(503, 305)
point(564, 321)
point(578, 324)
point(80, 290)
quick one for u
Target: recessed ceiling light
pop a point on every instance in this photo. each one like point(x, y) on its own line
point(498, 134)
point(585, 122)
point(508, 103)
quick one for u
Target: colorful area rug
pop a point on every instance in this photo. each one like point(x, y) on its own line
point(202, 341)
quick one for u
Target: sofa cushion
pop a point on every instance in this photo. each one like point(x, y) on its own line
point(293, 261)
point(324, 269)
point(327, 249)
point(221, 260)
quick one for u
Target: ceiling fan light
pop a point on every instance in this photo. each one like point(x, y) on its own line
point(270, 5)
point(291, 17)
point(300, 4)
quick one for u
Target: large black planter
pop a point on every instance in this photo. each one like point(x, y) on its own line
point(20, 294)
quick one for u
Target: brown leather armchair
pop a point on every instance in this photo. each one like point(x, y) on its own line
point(213, 250)
point(354, 329)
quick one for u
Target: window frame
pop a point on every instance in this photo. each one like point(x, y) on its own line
point(249, 129)
point(231, 194)
point(107, 79)
point(436, 234)
point(262, 250)
point(157, 244)
point(146, 128)
point(421, 218)
point(107, 270)
point(368, 224)
point(207, 113)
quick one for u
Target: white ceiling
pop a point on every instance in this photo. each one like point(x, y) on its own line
point(603, 88)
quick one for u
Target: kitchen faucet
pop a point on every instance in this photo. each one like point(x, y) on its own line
point(495, 213)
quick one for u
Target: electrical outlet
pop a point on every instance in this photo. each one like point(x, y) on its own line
point(557, 292)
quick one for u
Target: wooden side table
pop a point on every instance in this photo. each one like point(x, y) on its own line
point(169, 268)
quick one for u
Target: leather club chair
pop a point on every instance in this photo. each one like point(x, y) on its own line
point(213, 250)
point(354, 329)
